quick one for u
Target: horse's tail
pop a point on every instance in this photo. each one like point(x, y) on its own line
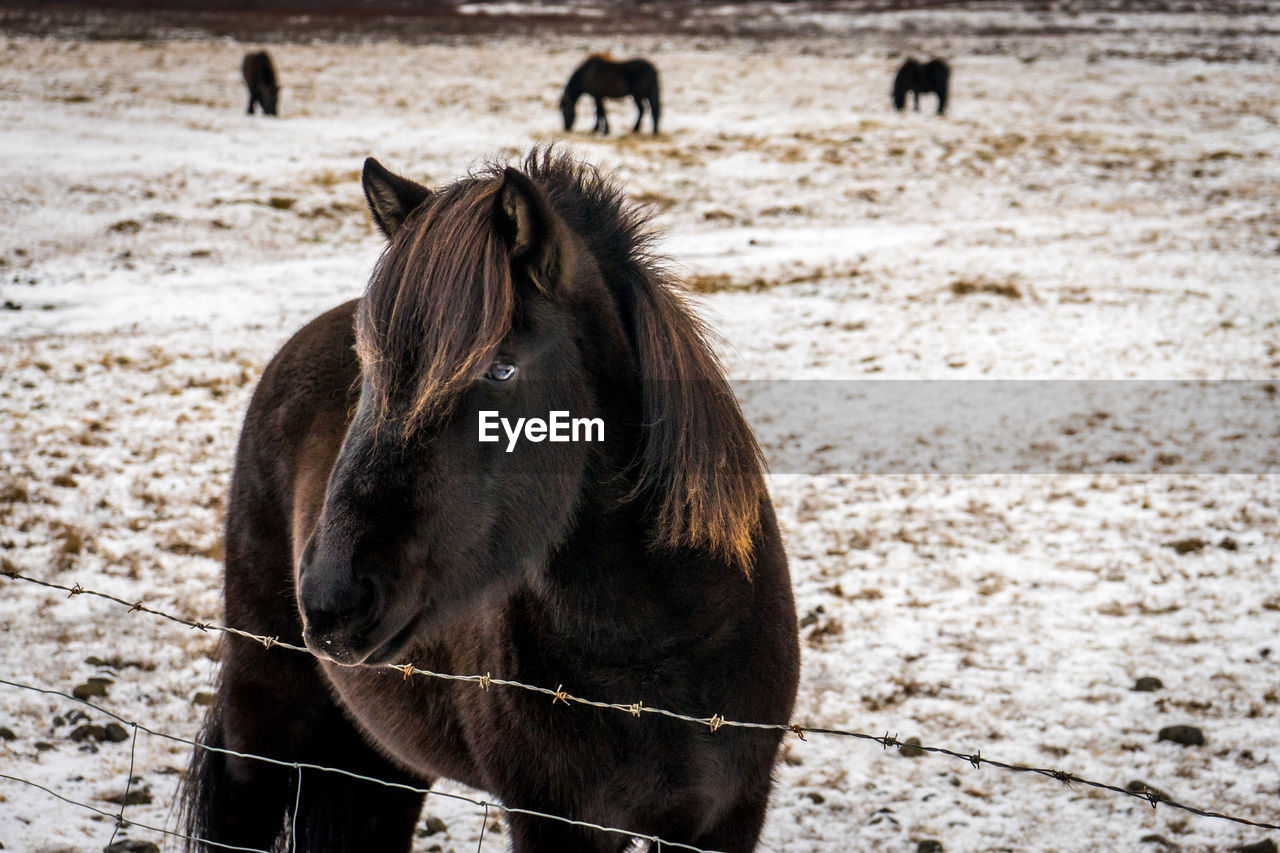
point(653, 96)
point(200, 787)
point(942, 82)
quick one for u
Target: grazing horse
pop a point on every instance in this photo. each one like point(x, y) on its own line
point(915, 77)
point(260, 77)
point(601, 77)
point(368, 518)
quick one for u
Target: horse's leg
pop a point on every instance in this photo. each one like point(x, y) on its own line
point(531, 834)
point(273, 704)
point(915, 99)
point(639, 114)
point(229, 799)
point(739, 830)
point(942, 99)
point(251, 99)
point(655, 109)
point(344, 815)
point(602, 120)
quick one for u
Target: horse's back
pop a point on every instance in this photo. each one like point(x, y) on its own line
point(604, 77)
point(258, 68)
point(291, 436)
point(641, 72)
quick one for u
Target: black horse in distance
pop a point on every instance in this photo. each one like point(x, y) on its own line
point(601, 77)
point(917, 77)
point(260, 77)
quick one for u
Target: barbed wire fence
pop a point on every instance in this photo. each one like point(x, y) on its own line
point(299, 766)
point(975, 759)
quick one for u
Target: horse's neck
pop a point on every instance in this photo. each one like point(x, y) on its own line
point(608, 595)
point(575, 87)
point(603, 571)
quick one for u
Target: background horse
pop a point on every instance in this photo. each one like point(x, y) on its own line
point(260, 77)
point(601, 77)
point(914, 77)
point(366, 519)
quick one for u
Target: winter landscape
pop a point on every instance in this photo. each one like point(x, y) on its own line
point(1102, 202)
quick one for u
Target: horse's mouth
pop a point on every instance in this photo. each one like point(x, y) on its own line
point(386, 652)
point(346, 653)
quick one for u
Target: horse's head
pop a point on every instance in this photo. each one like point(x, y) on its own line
point(493, 298)
point(269, 95)
point(903, 82)
point(568, 109)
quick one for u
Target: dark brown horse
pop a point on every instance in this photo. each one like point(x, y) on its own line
point(367, 518)
point(916, 78)
point(601, 77)
point(260, 78)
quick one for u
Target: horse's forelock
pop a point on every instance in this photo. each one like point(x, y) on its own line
point(438, 304)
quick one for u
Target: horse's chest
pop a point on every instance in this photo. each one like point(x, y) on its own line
point(414, 720)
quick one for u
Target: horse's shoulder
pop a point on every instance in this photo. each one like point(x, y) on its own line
point(311, 378)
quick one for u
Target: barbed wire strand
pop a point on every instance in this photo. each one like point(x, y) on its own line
point(147, 827)
point(299, 766)
point(713, 723)
point(128, 783)
point(297, 805)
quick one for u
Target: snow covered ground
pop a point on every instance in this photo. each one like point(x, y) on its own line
point(1102, 204)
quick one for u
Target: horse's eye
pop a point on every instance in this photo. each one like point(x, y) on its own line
point(500, 371)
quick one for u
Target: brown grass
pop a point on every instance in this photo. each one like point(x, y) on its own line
point(970, 286)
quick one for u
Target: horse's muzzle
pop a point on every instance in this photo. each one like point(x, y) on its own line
point(339, 615)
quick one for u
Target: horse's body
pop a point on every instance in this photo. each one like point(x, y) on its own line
point(916, 77)
point(366, 519)
point(601, 77)
point(260, 78)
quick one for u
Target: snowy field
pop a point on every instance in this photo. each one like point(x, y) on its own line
point(1103, 204)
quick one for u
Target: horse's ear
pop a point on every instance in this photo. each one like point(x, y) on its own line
point(391, 198)
point(531, 228)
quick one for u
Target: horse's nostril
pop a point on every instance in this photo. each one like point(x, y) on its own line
point(335, 605)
